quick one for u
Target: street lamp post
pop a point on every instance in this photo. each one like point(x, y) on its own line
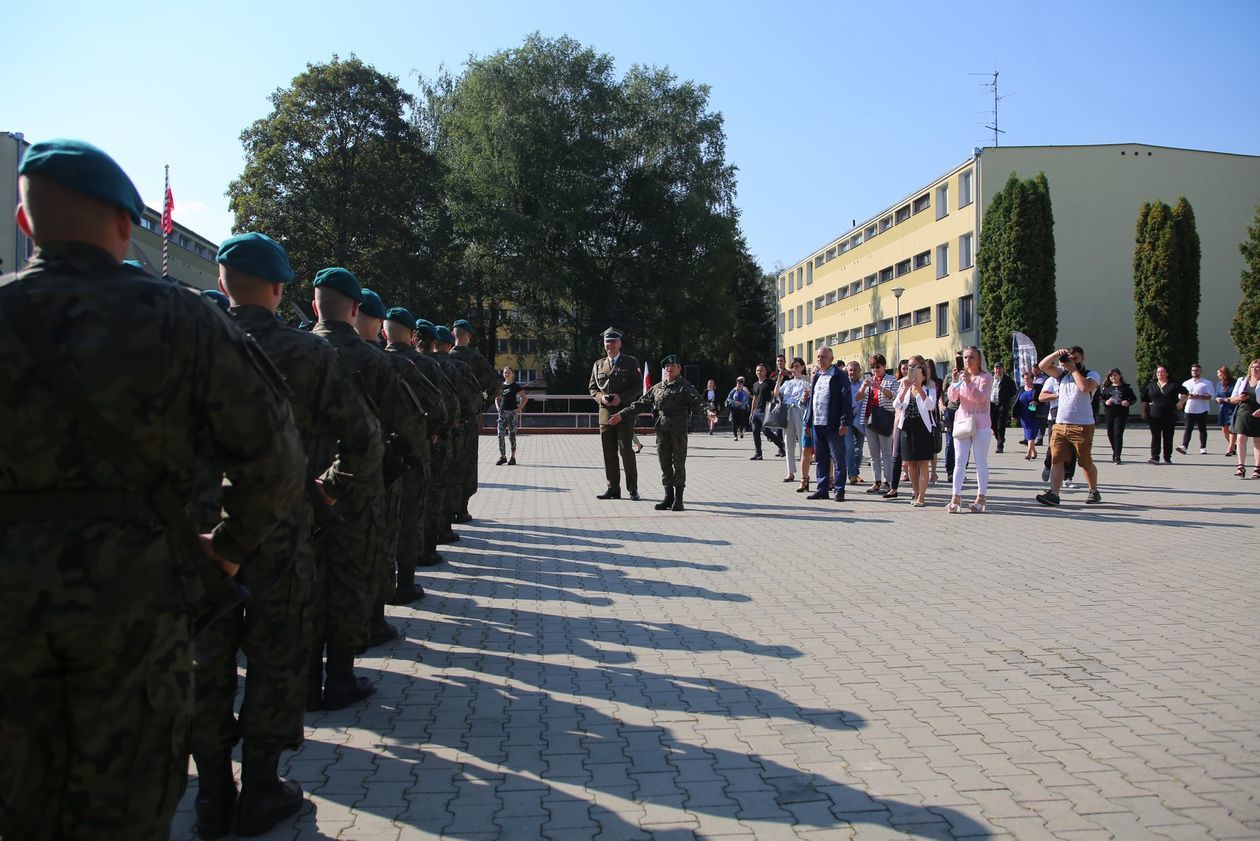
point(897, 290)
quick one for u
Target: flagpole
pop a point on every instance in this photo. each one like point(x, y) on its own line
point(166, 257)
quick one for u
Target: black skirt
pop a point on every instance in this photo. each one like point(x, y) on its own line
point(916, 442)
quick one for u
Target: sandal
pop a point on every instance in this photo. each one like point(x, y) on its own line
point(803, 487)
point(977, 507)
point(1241, 472)
point(1255, 474)
point(953, 508)
point(790, 479)
point(892, 494)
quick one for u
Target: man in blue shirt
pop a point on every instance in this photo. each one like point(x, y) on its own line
point(830, 412)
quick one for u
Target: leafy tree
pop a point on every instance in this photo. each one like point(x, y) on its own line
point(1156, 283)
point(1246, 327)
point(339, 174)
point(1187, 293)
point(1015, 266)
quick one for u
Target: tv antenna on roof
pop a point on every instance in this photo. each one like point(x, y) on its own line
point(996, 99)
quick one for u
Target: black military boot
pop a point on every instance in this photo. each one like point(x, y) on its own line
point(678, 493)
point(216, 794)
point(448, 535)
point(666, 503)
point(463, 517)
point(265, 798)
point(407, 590)
point(343, 688)
point(315, 680)
point(380, 631)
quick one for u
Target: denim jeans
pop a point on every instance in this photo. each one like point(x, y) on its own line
point(854, 440)
point(829, 448)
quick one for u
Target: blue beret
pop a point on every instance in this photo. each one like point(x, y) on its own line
point(463, 324)
point(672, 359)
point(444, 334)
point(85, 169)
point(216, 297)
point(372, 306)
point(402, 316)
point(425, 330)
point(256, 254)
point(341, 281)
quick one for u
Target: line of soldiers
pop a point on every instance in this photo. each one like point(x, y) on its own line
point(319, 468)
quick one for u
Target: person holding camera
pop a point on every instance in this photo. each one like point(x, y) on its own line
point(915, 400)
point(972, 431)
point(1073, 433)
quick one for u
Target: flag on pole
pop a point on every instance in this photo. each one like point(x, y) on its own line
point(647, 379)
point(168, 224)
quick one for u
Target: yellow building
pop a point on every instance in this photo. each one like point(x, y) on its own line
point(843, 294)
point(191, 255)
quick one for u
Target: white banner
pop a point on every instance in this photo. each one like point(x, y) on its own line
point(1024, 355)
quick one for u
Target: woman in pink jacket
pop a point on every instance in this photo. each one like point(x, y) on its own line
point(973, 429)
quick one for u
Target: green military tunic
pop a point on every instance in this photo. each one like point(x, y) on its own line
point(674, 401)
point(625, 380)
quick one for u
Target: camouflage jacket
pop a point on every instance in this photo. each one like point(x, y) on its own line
point(438, 395)
point(673, 401)
point(166, 370)
point(487, 377)
point(418, 386)
point(465, 384)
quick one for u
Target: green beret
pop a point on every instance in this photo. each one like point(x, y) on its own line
point(402, 316)
point(340, 280)
point(463, 324)
point(85, 169)
point(444, 334)
point(672, 359)
point(372, 306)
point(256, 254)
point(216, 297)
point(425, 330)
point(612, 333)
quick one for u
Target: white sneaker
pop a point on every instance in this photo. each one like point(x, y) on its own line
point(1202, 451)
point(1067, 484)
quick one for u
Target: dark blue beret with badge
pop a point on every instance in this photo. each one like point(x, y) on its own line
point(216, 297)
point(82, 167)
point(372, 306)
point(462, 324)
point(425, 329)
point(444, 334)
point(256, 254)
point(402, 316)
point(340, 280)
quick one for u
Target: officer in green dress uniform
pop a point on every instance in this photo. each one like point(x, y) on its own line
point(674, 399)
point(616, 381)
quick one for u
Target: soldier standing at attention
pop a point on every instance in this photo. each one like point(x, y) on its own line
point(107, 377)
point(465, 450)
point(346, 567)
point(615, 382)
point(342, 441)
point(408, 547)
point(437, 525)
point(431, 502)
point(674, 400)
point(488, 382)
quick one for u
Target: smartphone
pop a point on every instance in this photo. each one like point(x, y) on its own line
point(958, 363)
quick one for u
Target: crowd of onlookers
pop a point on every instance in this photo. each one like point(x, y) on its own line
point(863, 425)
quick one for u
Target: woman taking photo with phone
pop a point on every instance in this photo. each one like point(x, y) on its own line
point(973, 425)
point(915, 401)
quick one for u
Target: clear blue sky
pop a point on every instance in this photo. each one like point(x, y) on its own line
point(833, 109)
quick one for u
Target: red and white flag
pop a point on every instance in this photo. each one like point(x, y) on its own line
point(168, 209)
point(647, 379)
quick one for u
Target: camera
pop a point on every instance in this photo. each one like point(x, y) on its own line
point(1065, 359)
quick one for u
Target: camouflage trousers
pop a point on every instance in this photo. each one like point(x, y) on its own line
point(385, 547)
point(468, 466)
point(671, 450)
point(274, 629)
point(94, 727)
point(453, 490)
point(347, 577)
point(434, 501)
point(411, 523)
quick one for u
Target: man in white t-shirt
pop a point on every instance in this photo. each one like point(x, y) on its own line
point(1073, 434)
point(1197, 404)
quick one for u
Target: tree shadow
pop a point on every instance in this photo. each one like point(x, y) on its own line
point(604, 538)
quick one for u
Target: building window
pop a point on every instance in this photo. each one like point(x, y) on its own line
point(923, 259)
point(809, 312)
point(791, 320)
point(885, 223)
point(903, 213)
point(923, 316)
point(942, 260)
point(870, 232)
point(855, 240)
point(870, 329)
point(842, 292)
point(855, 287)
point(501, 345)
point(800, 278)
point(809, 271)
point(966, 313)
point(872, 280)
point(965, 258)
point(885, 275)
point(903, 268)
point(781, 323)
point(885, 325)
point(831, 254)
point(903, 320)
point(964, 189)
point(782, 286)
point(942, 319)
point(922, 203)
point(800, 315)
point(831, 298)
point(820, 302)
point(942, 201)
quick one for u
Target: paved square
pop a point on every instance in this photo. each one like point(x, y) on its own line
point(768, 667)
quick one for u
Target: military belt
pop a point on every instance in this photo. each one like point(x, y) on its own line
point(94, 504)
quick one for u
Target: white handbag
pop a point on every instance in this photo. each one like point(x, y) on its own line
point(964, 427)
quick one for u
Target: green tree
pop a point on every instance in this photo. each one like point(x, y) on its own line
point(339, 174)
point(1187, 293)
point(1015, 267)
point(1157, 282)
point(1246, 327)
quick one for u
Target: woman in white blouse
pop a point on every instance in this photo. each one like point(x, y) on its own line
point(792, 389)
point(916, 396)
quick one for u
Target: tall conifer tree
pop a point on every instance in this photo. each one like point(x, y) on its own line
point(1246, 327)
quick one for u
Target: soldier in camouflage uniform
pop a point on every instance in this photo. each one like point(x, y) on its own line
point(342, 441)
point(369, 324)
point(346, 564)
point(96, 662)
point(464, 450)
point(399, 329)
point(436, 522)
point(674, 399)
point(488, 380)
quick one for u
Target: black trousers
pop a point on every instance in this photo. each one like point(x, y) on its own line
point(1162, 431)
point(1001, 419)
point(774, 436)
point(1199, 420)
point(1116, 423)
